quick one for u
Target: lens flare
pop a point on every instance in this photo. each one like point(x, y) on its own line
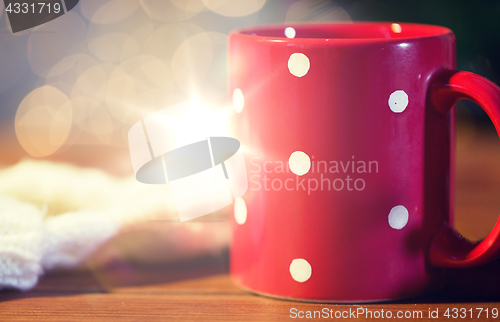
point(192, 60)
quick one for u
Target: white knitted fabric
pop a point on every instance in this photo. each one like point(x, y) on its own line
point(20, 243)
point(56, 215)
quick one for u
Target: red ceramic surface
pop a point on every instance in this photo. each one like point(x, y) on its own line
point(378, 95)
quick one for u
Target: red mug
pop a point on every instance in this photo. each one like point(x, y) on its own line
point(348, 134)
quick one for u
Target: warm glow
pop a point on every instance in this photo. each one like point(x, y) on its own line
point(238, 100)
point(172, 10)
point(139, 27)
point(108, 11)
point(187, 122)
point(114, 47)
point(43, 121)
point(176, 34)
point(234, 8)
point(117, 61)
point(396, 28)
point(121, 95)
point(192, 60)
point(194, 6)
point(240, 211)
point(91, 83)
point(316, 10)
point(200, 120)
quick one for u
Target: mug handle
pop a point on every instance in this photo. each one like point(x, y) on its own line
point(448, 247)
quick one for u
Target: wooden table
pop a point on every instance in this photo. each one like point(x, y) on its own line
point(201, 290)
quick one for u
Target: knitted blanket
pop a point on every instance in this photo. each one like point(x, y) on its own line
point(55, 215)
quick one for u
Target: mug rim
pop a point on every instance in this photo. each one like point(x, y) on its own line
point(347, 32)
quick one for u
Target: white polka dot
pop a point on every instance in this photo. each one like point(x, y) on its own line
point(396, 28)
point(298, 64)
point(300, 270)
point(398, 217)
point(299, 163)
point(240, 211)
point(290, 32)
point(238, 100)
point(398, 101)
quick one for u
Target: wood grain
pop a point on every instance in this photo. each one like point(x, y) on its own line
point(194, 291)
point(201, 289)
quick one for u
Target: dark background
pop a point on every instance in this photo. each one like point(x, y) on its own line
point(476, 25)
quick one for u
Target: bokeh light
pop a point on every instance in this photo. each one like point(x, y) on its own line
point(92, 123)
point(192, 60)
point(189, 5)
point(114, 47)
point(51, 42)
point(84, 78)
point(173, 10)
point(137, 87)
point(234, 8)
point(65, 74)
point(43, 121)
point(65, 64)
point(122, 91)
point(139, 26)
point(316, 10)
point(108, 11)
point(116, 61)
point(158, 46)
point(91, 83)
